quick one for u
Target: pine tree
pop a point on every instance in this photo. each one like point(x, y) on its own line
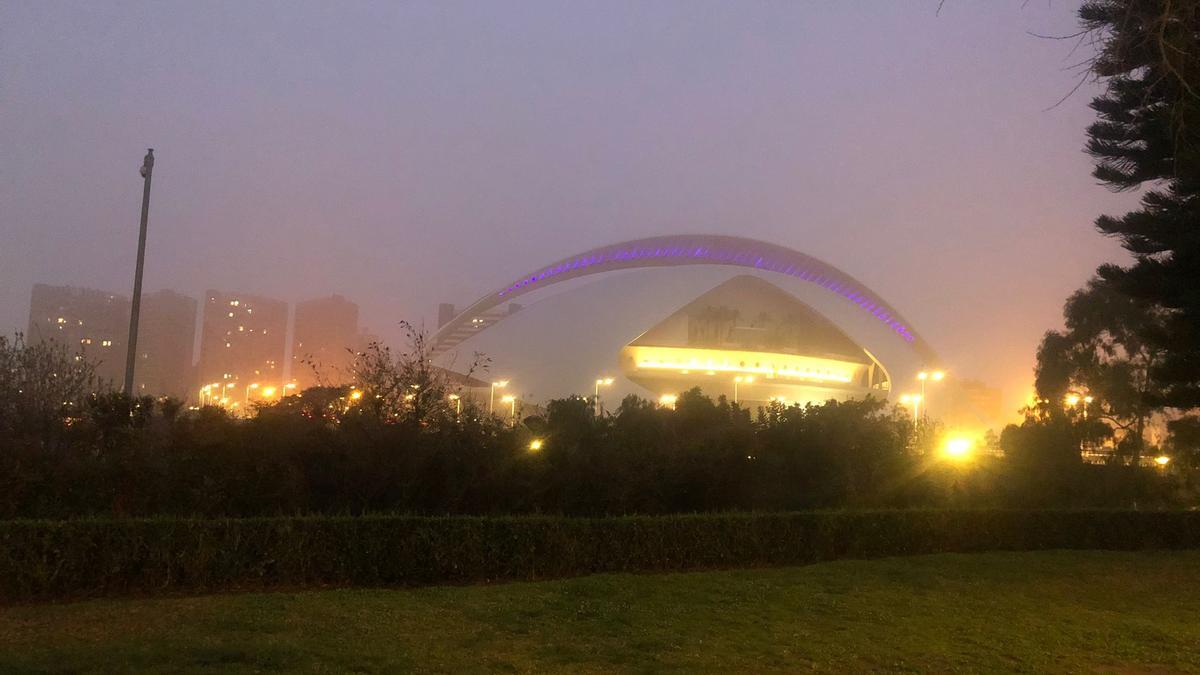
point(1147, 135)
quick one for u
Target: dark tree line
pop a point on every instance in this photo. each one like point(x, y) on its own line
point(1132, 337)
point(393, 442)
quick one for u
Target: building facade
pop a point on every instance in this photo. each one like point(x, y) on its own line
point(751, 341)
point(325, 335)
point(166, 332)
point(241, 347)
point(83, 319)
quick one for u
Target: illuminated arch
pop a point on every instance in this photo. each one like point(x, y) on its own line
point(678, 250)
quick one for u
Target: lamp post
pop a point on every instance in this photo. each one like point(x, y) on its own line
point(136, 306)
point(492, 396)
point(606, 382)
point(512, 409)
point(915, 400)
point(738, 380)
point(253, 385)
point(457, 404)
point(936, 376)
point(668, 400)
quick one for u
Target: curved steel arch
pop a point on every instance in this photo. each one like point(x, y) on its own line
point(675, 250)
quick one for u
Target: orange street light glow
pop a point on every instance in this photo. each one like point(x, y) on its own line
point(958, 447)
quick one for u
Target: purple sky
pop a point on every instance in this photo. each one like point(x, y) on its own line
point(408, 154)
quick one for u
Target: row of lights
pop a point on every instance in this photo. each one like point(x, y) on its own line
point(218, 394)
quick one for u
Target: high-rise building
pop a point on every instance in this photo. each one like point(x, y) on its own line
point(241, 344)
point(166, 331)
point(325, 334)
point(86, 319)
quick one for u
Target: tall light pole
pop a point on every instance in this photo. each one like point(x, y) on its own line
point(936, 376)
point(136, 308)
point(738, 380)
point(512, 409)
point(492, 397)
point(606, 382)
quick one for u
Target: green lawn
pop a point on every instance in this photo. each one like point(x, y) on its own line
point(1057, 611)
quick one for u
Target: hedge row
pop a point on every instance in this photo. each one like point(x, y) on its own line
point(61, 559)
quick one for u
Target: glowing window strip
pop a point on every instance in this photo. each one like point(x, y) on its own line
point(687, 359)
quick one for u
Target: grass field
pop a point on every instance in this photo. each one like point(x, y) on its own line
point(1048, 611)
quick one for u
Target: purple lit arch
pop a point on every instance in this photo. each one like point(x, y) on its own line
point(677, 250)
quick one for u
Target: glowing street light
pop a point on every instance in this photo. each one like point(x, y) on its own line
point(492, 396)
point(668, 400)
point(936, 376)
point(915, 401)
point(958, 448)
point(253, 385)
point(602, 382)
point(1162, 461)
point(1072, 400)
point(512, 408)
point(268, 392)
point(738, 380)
point(535, 445)
point(457, 403)
point(356, 394)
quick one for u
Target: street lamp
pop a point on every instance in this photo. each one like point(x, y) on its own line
point(512, 409)
point(535, 445)
point(668, 400)
point(936, 376)
point(915, 400)
point(492, 396)
point(738, 380)
point(958, 448)
point(253, 385)
point(225, 395)
point(602, 382)
point(457, 403)
point(1162, 461)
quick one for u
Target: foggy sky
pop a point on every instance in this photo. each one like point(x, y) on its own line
point(408, 154)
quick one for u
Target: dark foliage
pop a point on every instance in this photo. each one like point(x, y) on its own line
point(324, 452)
point(1147, 134)
point(40, 559)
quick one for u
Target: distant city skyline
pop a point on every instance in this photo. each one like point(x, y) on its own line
point(183, 344)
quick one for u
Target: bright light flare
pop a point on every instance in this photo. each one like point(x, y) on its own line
point(958, 447)
point(535, 445)
point(1162, 460)
point(355, 395)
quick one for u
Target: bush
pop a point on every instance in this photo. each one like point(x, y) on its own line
point(58, 559)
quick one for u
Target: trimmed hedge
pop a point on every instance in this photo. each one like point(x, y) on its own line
point(61, 559)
